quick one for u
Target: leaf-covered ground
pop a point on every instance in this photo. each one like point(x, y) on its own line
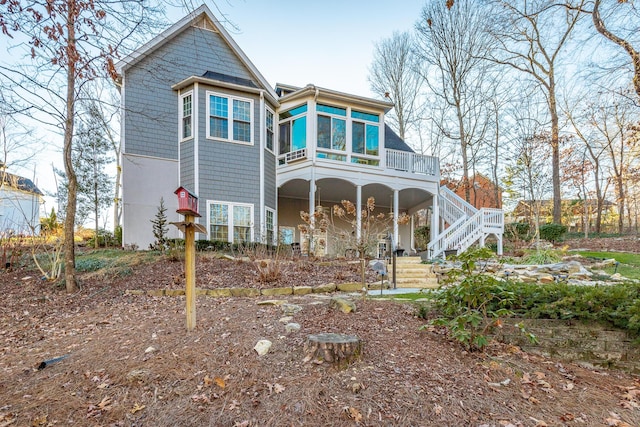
point(132, 363)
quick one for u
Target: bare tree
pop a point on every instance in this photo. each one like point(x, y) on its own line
point(393, 74)
point(621, 40)
point(531, 36)
point(70, 43)
point(451, 46)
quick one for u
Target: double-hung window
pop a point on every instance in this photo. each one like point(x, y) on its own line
point(230, 118)
point(269, 127)
point(230, 222)
point(270, 226)
point(186, 115)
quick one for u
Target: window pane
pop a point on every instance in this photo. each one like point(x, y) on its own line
point(294, 112)
point(242, 215)
point(242, 131)
point(332, 110)
point(218, 219)
point(357, 137)
point(241, 110)
point(286, 235)
point(299, 134)
point(284, 139)
point(372, 140)
point(365, 116)
point(339, 134)
point(186, 127)
point(218, 128)
point(269, 125)
point(329, 156)
point(324, 132)
point(219, 106)
point(370, 162)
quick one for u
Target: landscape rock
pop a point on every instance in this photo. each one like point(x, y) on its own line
point(324, 289)
point(269, 292)
point(290, 309)
point(262, 347)
point(342, 304)
point(292, 327)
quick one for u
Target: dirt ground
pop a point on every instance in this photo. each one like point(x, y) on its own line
point(131, 361)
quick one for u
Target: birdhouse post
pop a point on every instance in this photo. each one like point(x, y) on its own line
point(188, 206)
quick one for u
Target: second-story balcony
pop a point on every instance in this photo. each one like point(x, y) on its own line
point(404, 162)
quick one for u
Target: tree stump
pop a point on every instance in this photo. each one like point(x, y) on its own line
point(337, 349)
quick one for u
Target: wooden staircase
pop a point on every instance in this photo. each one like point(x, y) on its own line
point(411, 273)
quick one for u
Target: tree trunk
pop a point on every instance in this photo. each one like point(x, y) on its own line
point(555, 152)
point(337, 349)
point(70, 216)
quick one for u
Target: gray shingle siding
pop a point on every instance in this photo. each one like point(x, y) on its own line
point(270, 180)
point(151, 125)
point(187, 171)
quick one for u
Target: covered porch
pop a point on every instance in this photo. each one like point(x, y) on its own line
point(314, 191)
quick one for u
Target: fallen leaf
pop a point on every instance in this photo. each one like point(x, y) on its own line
point(220, 382)
point(207, 380)
point(354, 414)
point(437, 409)
point(137, 408)
point(277, 388)
point(40, 421)
point(105, 404)
point(568, 386)
point(103, 386)
point(567, 417)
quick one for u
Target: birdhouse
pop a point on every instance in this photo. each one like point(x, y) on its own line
point(187, 202)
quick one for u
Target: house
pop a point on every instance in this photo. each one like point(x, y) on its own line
point(197, 113)
point(20, 204)
point(483, 192)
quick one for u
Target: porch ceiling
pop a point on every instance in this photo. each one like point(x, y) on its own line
point(333, 190)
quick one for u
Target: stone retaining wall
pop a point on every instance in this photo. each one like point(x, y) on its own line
point(589, 343)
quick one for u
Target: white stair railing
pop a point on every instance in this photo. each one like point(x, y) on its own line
point(467, 224)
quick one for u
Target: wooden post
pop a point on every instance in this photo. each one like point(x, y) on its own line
point(190, 270)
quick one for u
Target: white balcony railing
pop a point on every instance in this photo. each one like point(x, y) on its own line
point(413, 163)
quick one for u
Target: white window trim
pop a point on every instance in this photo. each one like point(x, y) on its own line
point(180, 115)
point(230, 224)
point(230, 98)
point(275, 135)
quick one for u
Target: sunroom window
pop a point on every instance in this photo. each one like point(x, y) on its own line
point(230, 118)
point(332, 129)
point(292, 134)
point(365, 138)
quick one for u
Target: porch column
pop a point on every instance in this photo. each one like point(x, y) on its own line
point(358, 212)
point(435, 219)
point(395, 219)
point(312, 209)
point(413, 241)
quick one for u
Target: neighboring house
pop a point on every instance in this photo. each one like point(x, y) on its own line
point(198, 114)
point(20, 203)
point(483, 192)
point(572, 211)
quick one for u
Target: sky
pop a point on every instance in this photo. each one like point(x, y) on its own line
point(329, 44)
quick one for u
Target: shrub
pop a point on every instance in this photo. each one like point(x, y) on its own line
point(552, 232)
point(517, 231)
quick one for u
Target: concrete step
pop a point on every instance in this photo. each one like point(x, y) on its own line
point(408, 260)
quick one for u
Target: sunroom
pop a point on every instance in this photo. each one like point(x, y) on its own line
point(334, 146)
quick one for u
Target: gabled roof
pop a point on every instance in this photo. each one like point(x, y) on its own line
point(201, 14)
point(393, 142)
point(20, 183)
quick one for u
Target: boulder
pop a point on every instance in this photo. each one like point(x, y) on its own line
point(342, 304)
